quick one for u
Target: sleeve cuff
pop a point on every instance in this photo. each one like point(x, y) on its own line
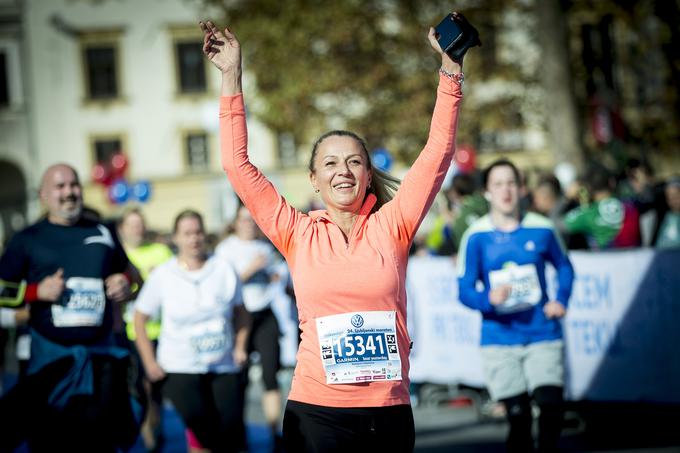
point(231, 104)
point(448, 85)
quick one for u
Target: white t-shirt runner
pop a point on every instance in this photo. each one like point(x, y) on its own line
point(257, 292)
point(197, 313)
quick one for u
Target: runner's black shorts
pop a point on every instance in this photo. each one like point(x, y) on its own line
point(308, 428)
point(264, 338)
point(211, 405)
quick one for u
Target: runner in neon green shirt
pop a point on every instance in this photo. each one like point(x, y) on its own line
point(145, 256)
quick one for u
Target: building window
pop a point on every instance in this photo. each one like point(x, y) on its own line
point(101, 64)
point(197, 151)
point(105, 148)
point(4, 80)
point(190, 67)
point(101, 72)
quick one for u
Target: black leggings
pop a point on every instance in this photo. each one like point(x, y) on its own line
point(550, 402)
point(264, 338)
point(308, 428)
point(211, 405)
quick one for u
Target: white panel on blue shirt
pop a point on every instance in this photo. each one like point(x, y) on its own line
point(526, 288)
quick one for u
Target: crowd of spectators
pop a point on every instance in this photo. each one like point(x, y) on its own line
point(598, 210)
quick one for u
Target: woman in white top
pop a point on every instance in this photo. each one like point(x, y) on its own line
point(254, 261)
point(202, 343)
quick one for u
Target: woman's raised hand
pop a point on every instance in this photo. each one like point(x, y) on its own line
point(447, 63)
point(222, 48)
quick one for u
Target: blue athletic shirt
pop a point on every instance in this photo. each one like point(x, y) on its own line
point(485, 250)
point(89, 253)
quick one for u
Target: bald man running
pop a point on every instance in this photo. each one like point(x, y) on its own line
point(75, 395)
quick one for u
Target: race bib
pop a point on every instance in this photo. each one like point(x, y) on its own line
point(359, 347)
point(83, 303)
point(211, 341)
point(526, 289)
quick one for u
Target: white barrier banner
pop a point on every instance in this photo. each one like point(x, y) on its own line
point(445, 333)
point(621, 330)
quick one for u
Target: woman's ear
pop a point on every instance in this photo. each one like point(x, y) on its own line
point(312, 180)
point(487, 196)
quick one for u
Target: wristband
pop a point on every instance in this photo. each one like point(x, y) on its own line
point(31, 294)
point(456, 77)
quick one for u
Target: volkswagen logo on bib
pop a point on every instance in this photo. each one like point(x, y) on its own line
point(357, 321)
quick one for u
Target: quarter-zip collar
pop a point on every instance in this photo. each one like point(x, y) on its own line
point(322, 215)
point(369, 202)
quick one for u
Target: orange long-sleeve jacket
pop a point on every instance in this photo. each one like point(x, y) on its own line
point(332, 274)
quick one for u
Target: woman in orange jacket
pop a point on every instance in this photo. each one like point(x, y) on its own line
point(348, 264)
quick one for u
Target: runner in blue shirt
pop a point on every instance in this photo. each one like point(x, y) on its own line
point(75, 395)
point(501, 267)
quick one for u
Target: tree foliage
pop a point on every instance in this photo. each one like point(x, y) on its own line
point(362, 65)
point(366, 65)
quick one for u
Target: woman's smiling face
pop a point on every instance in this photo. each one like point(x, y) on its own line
point(341, 173)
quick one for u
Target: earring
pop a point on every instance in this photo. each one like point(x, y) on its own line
point(316, 190)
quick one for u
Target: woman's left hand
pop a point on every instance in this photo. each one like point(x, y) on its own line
point(447, 63)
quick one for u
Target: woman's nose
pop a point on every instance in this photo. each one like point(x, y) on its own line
point(344, 168)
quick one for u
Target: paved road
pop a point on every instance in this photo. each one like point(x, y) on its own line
point(459, 428)
point(454, 427)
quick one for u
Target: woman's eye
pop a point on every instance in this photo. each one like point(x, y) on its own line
point(328, 164)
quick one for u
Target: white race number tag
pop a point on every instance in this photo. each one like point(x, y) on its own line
point(359, 347)
point(211, 341)
point(526, 289)
point(83, 302)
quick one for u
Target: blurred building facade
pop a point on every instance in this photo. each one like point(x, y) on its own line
point(16, 152)
point(86, 80)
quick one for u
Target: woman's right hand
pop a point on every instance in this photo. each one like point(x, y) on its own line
point(221, 48)
point(154, 372)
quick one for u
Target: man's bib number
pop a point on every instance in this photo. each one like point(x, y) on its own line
point(359, 347)
point(83, 303)
point(526, 289)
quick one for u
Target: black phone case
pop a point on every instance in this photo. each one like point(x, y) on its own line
point(449, 33)
point(456, 36)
